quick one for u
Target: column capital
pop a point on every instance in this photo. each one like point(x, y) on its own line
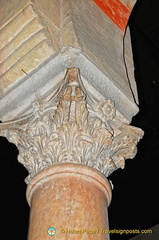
point(72, 126)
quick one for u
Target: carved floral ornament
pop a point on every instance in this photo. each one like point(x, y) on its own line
point(66, 129)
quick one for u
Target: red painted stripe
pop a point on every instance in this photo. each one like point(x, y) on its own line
point(116, 11)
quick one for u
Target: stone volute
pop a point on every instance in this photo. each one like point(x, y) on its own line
point(67, 100)
point(64, 143)
point(72, 126)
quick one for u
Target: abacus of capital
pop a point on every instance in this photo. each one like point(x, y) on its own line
point(72, 125)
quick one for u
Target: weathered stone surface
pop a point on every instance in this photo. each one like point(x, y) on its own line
point(73, 199)
point(66, 126)
point(25, 45)
point(49, 77)
point(73, 126)
point(68, 34)
point(128, 56)
point(118, 11)
point(128, 3)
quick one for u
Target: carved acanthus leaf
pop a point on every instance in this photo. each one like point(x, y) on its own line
point(63, 130)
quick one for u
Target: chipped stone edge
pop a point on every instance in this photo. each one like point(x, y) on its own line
point(49, 76)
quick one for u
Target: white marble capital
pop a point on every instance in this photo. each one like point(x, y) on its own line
point(72, 125)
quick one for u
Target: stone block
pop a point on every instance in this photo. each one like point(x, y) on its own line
point(37, 34)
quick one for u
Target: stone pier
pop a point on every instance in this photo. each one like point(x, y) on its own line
point(67, 98)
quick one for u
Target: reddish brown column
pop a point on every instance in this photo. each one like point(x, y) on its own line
point(73, 199)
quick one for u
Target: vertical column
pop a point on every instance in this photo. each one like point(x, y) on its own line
point(69, 201)
point(67, 147)
point(73, 133)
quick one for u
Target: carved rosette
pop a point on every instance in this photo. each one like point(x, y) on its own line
point(62, 129)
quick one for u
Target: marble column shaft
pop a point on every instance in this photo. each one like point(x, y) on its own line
point(73, 199)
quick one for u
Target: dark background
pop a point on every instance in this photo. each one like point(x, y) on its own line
point(135, 203)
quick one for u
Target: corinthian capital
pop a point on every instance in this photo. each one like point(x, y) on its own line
point(71, 125)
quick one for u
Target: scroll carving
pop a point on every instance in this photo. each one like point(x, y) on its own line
point(65, 129)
